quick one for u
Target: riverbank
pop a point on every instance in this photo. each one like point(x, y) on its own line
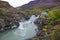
point(27, 29)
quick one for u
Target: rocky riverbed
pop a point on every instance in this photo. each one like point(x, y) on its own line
point(11, 23)
point(10, 16)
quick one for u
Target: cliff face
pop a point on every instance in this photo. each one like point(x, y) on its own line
point(4, 4)
point(9, 16)
point(40, 3)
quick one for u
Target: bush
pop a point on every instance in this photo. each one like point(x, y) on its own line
point(55, 15)
point(1, 13)
point(57, 35)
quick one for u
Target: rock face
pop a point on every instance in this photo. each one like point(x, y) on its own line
point(40, 3)
point(40, 22)
point(4, 4)
point(9, 16)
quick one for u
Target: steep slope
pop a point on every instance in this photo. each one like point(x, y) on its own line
point(4, 4)
point(9, 16)
point(40, 3)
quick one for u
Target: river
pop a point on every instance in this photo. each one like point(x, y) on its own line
point(27, 29)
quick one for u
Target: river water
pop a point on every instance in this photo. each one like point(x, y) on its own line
point(27, 29)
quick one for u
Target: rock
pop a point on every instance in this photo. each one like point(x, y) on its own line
point(40, 22)
point(10, 17)
point(2, 24)
point(8, 22)
point(15, 25)
point(27, 17)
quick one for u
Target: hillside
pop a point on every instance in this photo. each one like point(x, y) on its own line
point(9, 16)
point(4, 4)
point(48, 21)
point(40, 4)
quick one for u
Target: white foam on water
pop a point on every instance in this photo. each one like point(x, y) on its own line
point(27, 29)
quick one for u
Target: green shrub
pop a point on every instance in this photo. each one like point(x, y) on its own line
point(55, 15)
point(57, 35)
point(1, 13)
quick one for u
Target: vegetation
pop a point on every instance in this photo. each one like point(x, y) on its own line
point(4, 4)
point(55, 14)
point(52, 17)
point(57, 35)
point(1, 13)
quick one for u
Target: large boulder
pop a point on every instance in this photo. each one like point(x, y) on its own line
point(40, 22)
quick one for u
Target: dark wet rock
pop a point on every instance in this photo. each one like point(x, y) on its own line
point(8, 25)
point(17, 24)
point(27, 17)
point(28, 39)
point(40, 22)
point(10, 17)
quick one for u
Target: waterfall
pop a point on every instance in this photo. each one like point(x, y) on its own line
point(27, 25)
point(26, 30)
